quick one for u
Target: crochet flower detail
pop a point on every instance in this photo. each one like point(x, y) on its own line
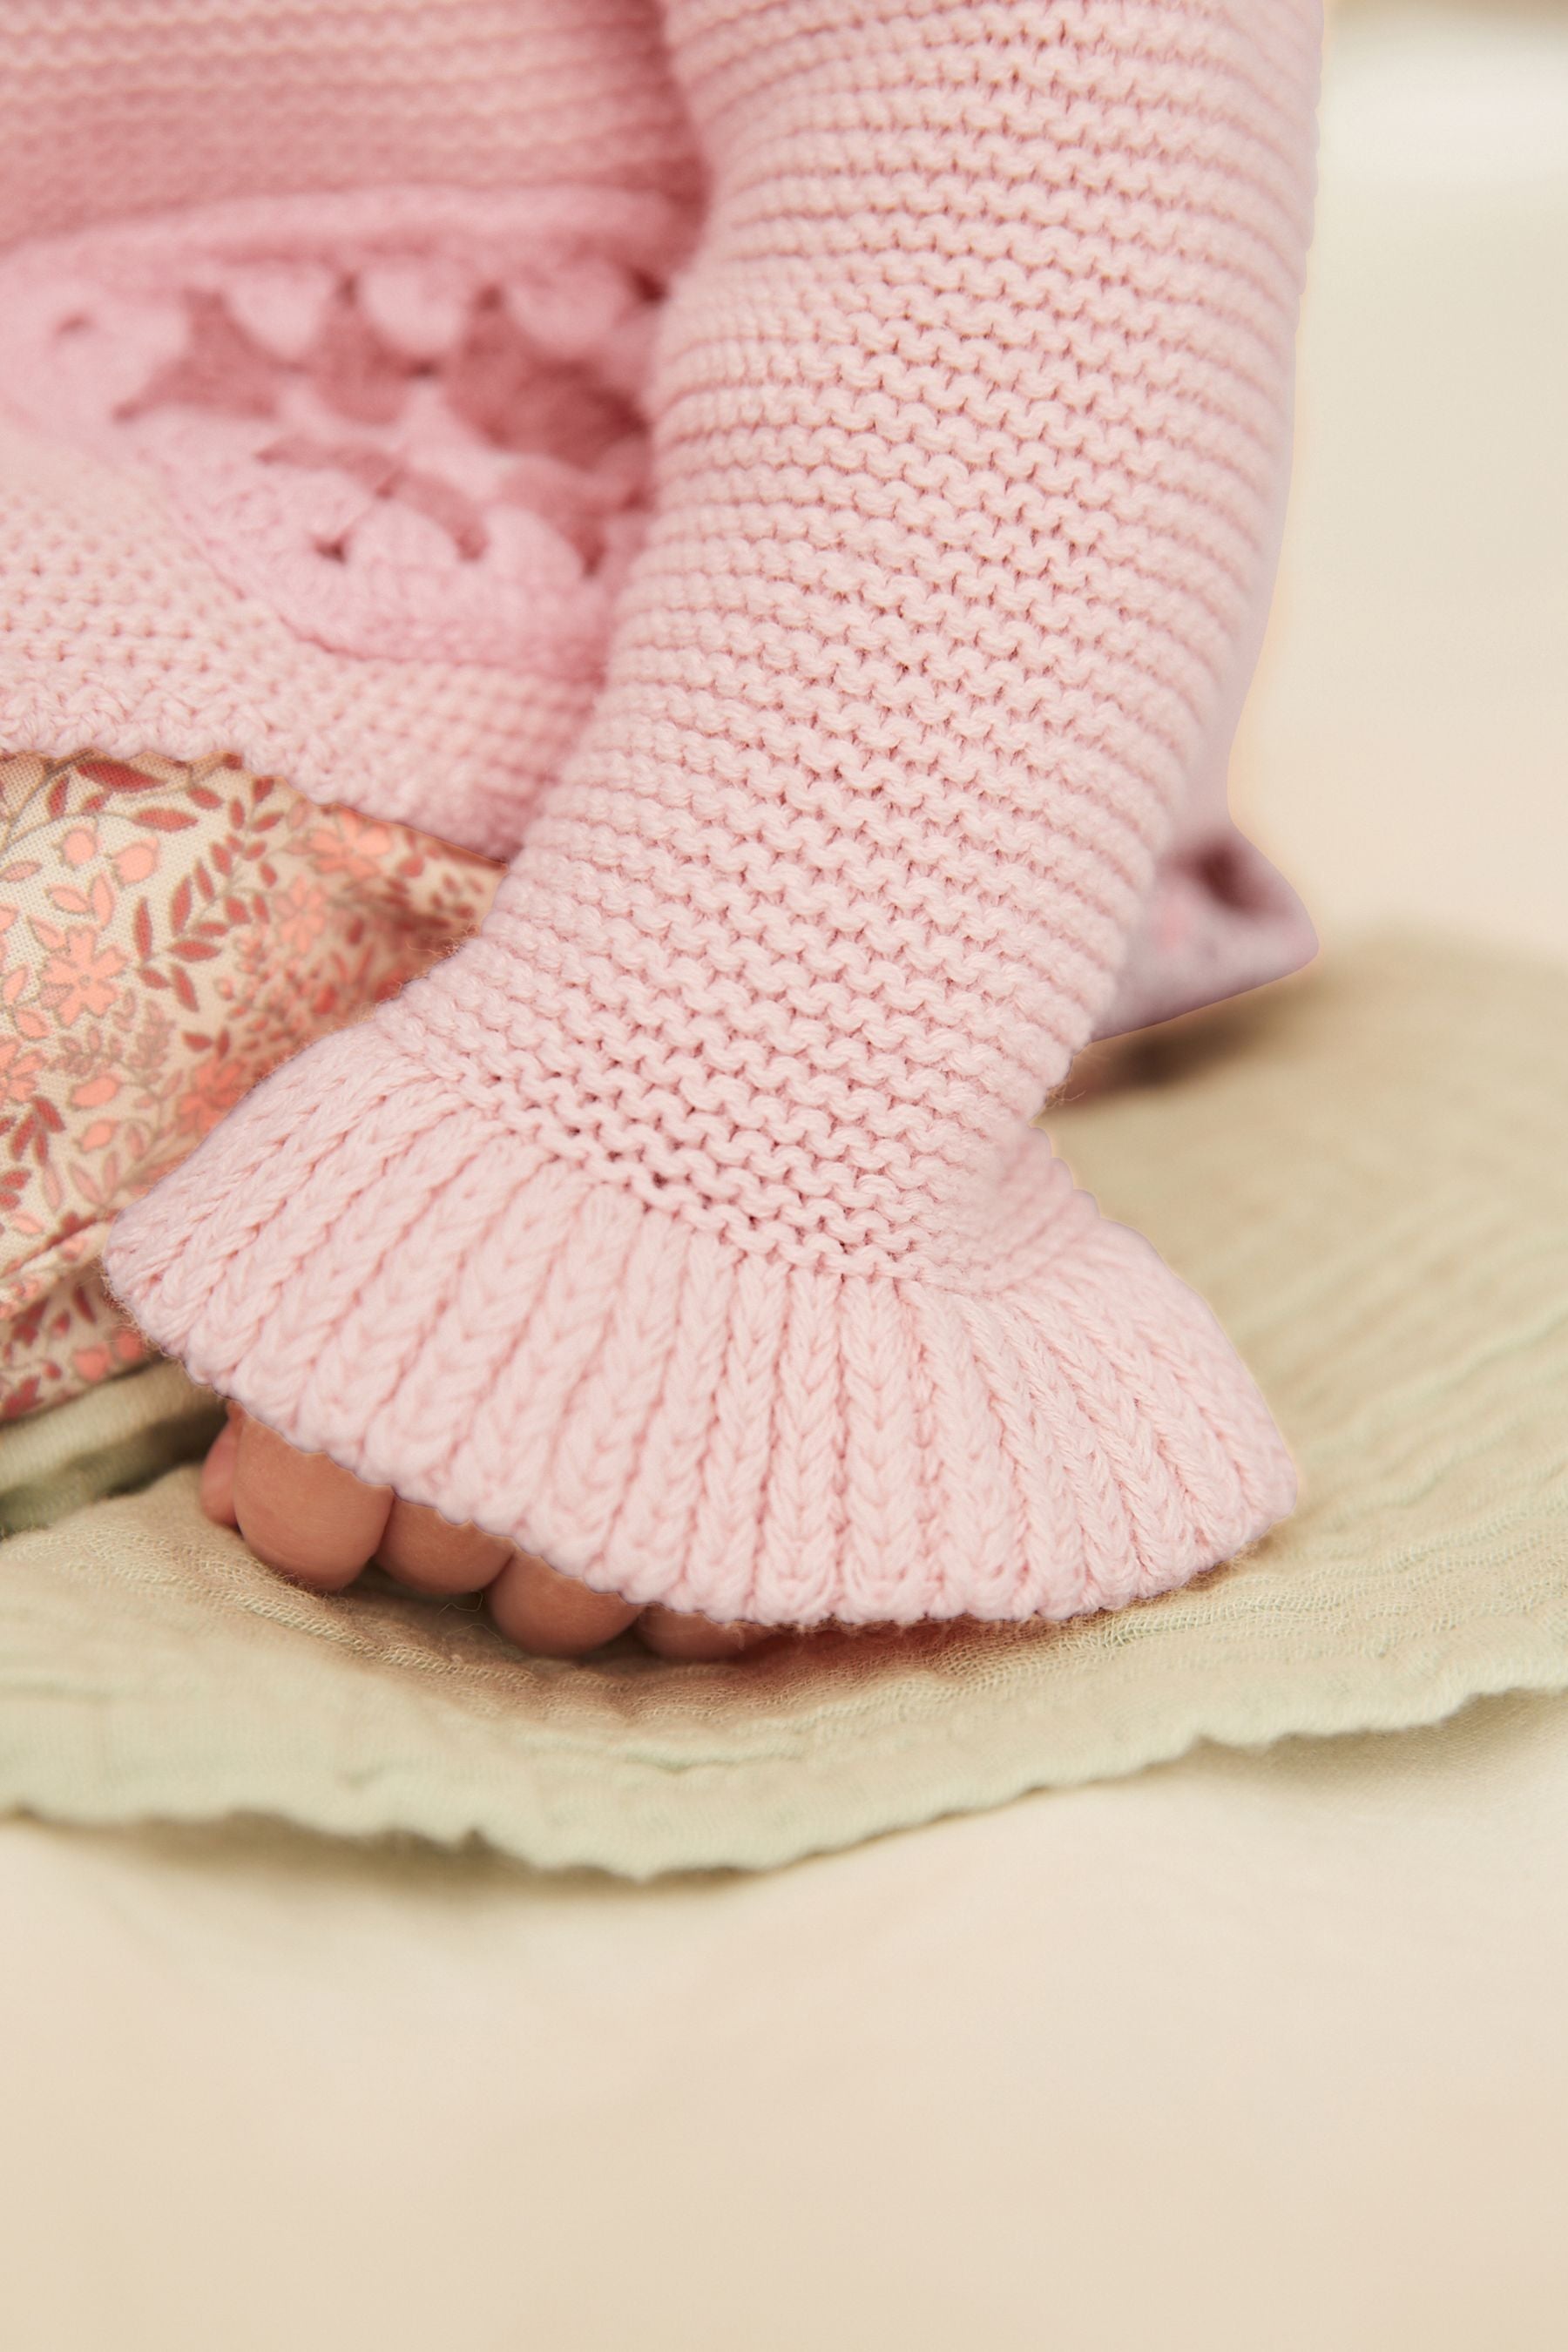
point(409, 421)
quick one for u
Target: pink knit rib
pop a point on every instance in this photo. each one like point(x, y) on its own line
point(690, 1227)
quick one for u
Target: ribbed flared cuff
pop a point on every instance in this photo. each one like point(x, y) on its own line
point(382, 1272)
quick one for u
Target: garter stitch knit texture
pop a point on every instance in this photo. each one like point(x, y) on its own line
point(324, 342)
point(318, 374)
point(690, 1226)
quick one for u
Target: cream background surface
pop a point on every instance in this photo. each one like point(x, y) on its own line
point(1390, 1254)
point(1250, 2051)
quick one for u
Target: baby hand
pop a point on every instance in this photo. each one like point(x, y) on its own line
point(317, 1524)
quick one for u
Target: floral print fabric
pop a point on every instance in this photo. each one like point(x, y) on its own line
point(169, 932)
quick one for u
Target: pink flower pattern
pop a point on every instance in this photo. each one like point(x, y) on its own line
point(169, 932)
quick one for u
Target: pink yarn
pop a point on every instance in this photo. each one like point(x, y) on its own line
point(690, 1226)
point(344, 484)
point(407, 422)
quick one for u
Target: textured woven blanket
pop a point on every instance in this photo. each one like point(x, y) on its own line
point(1363, 1171)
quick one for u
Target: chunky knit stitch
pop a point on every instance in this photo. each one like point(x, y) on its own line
point(344, 482)
point(690, 1227)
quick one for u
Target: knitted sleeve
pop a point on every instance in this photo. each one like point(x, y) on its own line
point(690, 1226)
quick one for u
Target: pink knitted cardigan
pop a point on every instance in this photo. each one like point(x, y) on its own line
point(345, 483)
point(690, 1227)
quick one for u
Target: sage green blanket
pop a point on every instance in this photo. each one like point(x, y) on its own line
point(1367, 1173)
